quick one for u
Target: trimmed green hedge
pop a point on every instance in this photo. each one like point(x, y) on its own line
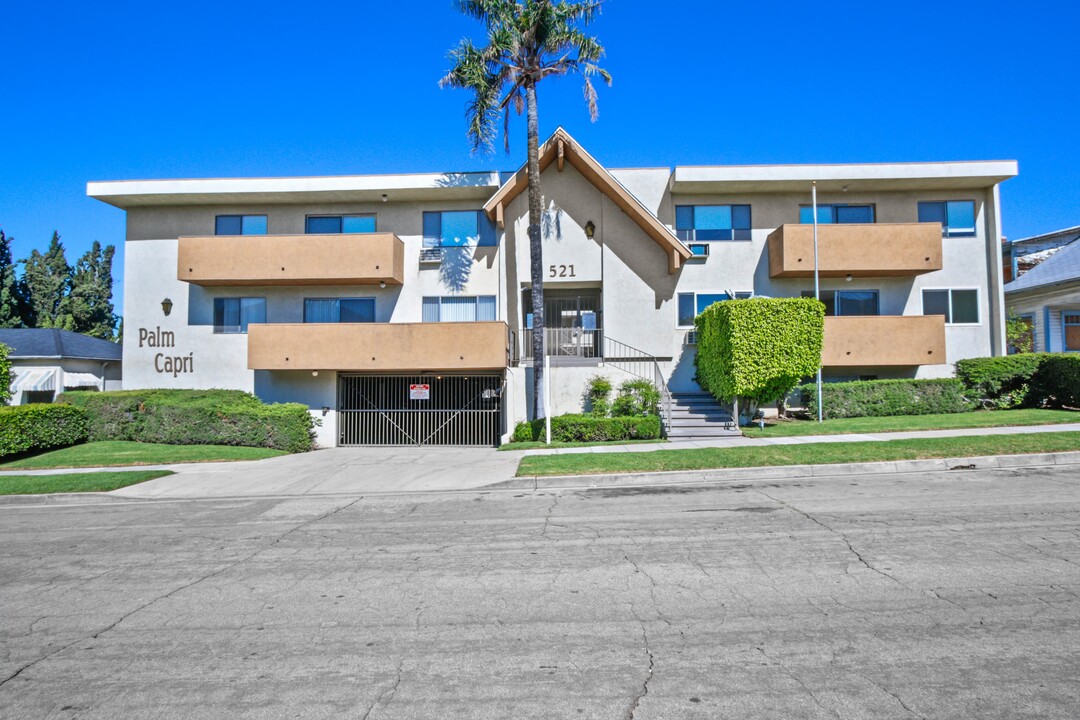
point(883, 398)
point(25, 428)
point(195, 417)
point(1031, 379)
point(758, 348)
point(589, 428)
point(1057, 383)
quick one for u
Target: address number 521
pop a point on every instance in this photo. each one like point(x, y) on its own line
point(561, 271)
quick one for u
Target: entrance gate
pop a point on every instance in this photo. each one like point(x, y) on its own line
point(419, 410)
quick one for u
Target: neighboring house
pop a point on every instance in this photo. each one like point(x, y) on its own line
point(47, 362)
point(1022, 255)
point(398, 308)
point(1048, 297)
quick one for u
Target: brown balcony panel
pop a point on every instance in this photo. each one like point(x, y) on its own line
point(872, 250)
point(898, 340)
point(378, 347)
point(360, 259)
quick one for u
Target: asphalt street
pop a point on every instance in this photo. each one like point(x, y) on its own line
point(930, 595)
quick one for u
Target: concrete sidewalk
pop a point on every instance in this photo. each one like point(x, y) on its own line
point(748, 440)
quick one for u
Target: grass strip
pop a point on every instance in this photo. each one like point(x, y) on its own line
point(823, 453)
point(544, 446)
point(75, 482)
point(977, 419)
point(121, 453)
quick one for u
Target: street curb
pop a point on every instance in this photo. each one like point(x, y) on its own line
point(59, 498)
point(790, 472)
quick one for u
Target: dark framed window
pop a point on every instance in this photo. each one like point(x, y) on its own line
point(833, 214)
point(240, 225)
point(957, 217)
point(703, 223)
point(849, 302)
point(1070, 329)
point(459, 309)
point(233, 315)
point(458, 228)
point(960, 307)
point(337, 224)
point(339, 310)
point(692, 304)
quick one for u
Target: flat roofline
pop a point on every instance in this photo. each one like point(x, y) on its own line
point(854, 171)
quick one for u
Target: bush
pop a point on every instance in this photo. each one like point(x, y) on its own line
point(1057, 381)
point(758, 349)
point(587, 428)
point(884, 398)
point(1000, 382)
point(636, 398)
point(195, 417)
point(5, 374)
point(597, 396)
point(26, 428)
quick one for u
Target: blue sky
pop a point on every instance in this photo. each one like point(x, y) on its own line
point(118, 90)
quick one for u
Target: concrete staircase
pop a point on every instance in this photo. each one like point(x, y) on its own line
point(698, 416)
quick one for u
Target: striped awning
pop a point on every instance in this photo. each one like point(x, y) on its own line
point(72, 380)
point(34, 381)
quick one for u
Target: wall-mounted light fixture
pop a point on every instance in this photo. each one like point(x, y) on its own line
point(382, 284)
point(848, 278)
point(384, 198)
point(590, 229)
point(166, 306)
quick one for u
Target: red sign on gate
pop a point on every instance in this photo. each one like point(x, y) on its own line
point(420, 392)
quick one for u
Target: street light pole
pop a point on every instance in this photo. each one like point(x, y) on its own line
point(817, 296)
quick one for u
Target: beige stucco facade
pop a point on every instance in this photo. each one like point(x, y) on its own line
point(633, 267)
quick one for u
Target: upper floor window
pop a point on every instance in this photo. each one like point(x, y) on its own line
point(848, 302)
point(957, 217)
point(830, 214)
point(233, 315)
point(240, 225)
point(336, 224)
point(696, 223)
point(458, 228)
point(459, 309)
point(339, 310)
point(958, 306)
point(693, 304)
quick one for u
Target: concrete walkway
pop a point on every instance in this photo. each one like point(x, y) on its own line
point(748, 440)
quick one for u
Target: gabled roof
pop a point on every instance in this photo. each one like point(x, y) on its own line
point(560, 148)
point(1061, 267)
point(46, 343)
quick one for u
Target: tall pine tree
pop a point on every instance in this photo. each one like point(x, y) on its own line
point(12, 295)
point(48, 284)
point(91, 293)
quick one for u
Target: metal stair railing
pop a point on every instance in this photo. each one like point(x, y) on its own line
point(640, 364)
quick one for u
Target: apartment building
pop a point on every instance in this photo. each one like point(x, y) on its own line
point(397, 307)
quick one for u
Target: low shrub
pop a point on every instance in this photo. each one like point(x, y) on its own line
point(636, 398)
point(195, 417)
point(597, 396)
point(1000, 382)
point(588, 428)
point(26, 428)
point(883, 398)
point(1057, 381)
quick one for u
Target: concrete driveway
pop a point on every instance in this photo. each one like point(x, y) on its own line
point(337, 471)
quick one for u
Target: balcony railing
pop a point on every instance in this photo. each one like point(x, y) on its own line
point(858, 250)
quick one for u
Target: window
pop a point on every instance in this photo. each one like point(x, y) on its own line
point(37, 396)
point(458, 228)
point(848, 302)
point(692, 304)
point(960, 307)
point(1070, 322)
point(336, 224)
point(459, 309)
point(697, 223)
point(240, 225)
point(233, 315)
point(339, 310)
point(830, 214)
point(957, 217)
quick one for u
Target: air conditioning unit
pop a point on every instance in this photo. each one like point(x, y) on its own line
point(431, 256)
point(699, 251)
point(691, 338)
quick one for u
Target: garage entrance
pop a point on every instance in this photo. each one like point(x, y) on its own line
point(419, 409)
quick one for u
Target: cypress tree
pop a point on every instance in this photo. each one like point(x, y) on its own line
point(12, 297)
point(91, 293)
point(48, 284)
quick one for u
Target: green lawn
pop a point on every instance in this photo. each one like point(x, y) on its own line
point(545, 446)
point(74, 482)
point(822, 453)
point(978, 419)
point(119, 453)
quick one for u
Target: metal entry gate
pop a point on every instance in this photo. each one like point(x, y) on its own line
point(419, 410)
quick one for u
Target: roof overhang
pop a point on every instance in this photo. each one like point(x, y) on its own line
point(350, 188)
point(560, 149)
point(835, 178)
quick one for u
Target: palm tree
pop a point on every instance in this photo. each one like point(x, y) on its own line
point(527, 41)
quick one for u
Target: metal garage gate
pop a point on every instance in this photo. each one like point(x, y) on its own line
point(419, 410)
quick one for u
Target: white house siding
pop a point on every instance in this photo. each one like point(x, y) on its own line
point(1045, 306)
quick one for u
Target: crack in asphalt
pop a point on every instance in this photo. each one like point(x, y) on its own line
point(787, 671)
point(172, 592)
point(890, 693)
point(636, 701)
point(388, 693)
point(547, 517)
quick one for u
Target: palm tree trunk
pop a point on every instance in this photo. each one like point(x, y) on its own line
point(536, 253)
